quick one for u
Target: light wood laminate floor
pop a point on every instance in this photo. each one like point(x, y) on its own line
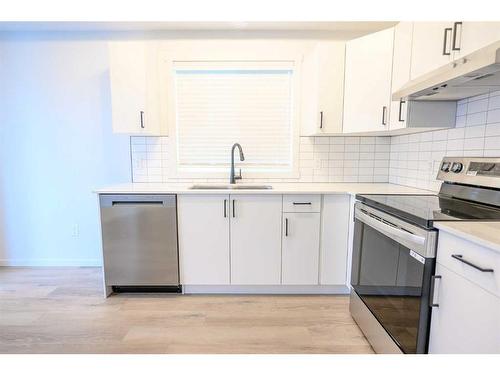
point(62, 310)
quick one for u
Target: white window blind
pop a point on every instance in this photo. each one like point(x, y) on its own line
point(221, 104)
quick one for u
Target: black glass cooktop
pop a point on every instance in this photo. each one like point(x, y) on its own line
point(424, 210)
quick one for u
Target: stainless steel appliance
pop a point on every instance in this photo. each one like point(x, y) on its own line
point(139, 235)
point(394, 251)
point(471, 75)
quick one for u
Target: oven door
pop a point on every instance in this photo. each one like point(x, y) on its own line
point(392, 264)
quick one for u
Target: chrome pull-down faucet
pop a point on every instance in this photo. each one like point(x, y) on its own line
point(232, 177)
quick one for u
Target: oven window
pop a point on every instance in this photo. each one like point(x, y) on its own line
point(389, 281)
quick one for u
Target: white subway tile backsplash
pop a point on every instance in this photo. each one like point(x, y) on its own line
point(368, 147)
point(476, 119)
point(493, 116)
point(321, 140)
point(460, 121)
point(367, 140)
point(492, 143)
point(473, 144)
point(492, 129)
point(494, 102)
point(461, 109)
point(456, 133)
point(477, 106)
point(411, 160)
point(321, 159)
point(477, 133)
point(351, 140)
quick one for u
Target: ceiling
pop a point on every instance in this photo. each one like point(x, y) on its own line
point(342, 29)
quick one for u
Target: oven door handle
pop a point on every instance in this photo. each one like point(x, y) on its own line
point(388, 229)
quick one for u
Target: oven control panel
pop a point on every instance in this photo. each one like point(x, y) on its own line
point(472, 171)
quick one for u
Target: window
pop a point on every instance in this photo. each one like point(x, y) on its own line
point(220, 103)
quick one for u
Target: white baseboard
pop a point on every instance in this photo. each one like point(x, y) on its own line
point(50, 262)
point(265, 289)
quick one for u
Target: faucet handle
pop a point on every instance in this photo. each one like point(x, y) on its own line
point(238, 177)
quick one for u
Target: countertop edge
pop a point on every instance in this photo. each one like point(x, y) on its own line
point(468, 236)
point(299, 188)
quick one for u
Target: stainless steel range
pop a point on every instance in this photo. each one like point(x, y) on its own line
point(394, 251)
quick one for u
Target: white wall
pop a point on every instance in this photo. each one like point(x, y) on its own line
point(56, 145)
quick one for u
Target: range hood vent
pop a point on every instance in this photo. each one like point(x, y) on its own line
point(474, 74)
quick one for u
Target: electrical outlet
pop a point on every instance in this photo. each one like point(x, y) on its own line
point(75, 230)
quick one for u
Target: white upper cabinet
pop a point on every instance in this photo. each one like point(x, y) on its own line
point(203, 239)
point(256, 239)
point(401, 65)
point(432, 46)
point(368, 72)
point(135, 99)
point(471, 36)
point(323, 88)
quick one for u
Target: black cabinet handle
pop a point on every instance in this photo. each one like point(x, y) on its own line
point(225, 207)
point(401, 102)
point(384, 111)
point(461, 259)
point(302, 203)
point(431, 295)
point(445, 42)
point(286, 227)
point(321, 120)
point(142, 119)
point(455, 29)
point(234, 209)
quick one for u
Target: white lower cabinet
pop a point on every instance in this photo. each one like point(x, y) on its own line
point(334, 239)
point(467, 319)
point(263, 240)
point(256, 239)
point(300, 254)
point(203, 222)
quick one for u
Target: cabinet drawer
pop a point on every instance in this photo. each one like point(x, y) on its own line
point(301, 203)
point(482, 257)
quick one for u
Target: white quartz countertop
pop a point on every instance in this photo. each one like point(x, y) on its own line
point(278, 188)
point(482, 233)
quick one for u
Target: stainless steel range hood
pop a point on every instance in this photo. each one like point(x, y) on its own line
point(471, 75)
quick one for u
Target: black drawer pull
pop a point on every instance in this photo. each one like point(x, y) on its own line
point(302, 203)
point(461, 259)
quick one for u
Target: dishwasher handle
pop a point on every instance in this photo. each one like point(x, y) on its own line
point(114, 200)
point(137, 203)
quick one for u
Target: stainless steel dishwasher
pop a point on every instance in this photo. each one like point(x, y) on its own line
point(139, 237)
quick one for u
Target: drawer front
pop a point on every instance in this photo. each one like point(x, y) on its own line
point(302, 203)
point(453, 252)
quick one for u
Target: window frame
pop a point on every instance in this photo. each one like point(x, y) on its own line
point(239, 52)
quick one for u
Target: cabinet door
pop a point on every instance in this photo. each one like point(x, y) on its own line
point(331, 58)
point(400, 71)
point(368, 82)
point(334, 239)
point(323, 88)
point(134, 94)
point(431, 47)
point(256, 239)
point(467, 319)
point(300, 255)
point(472, 36)
point(204, 239)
